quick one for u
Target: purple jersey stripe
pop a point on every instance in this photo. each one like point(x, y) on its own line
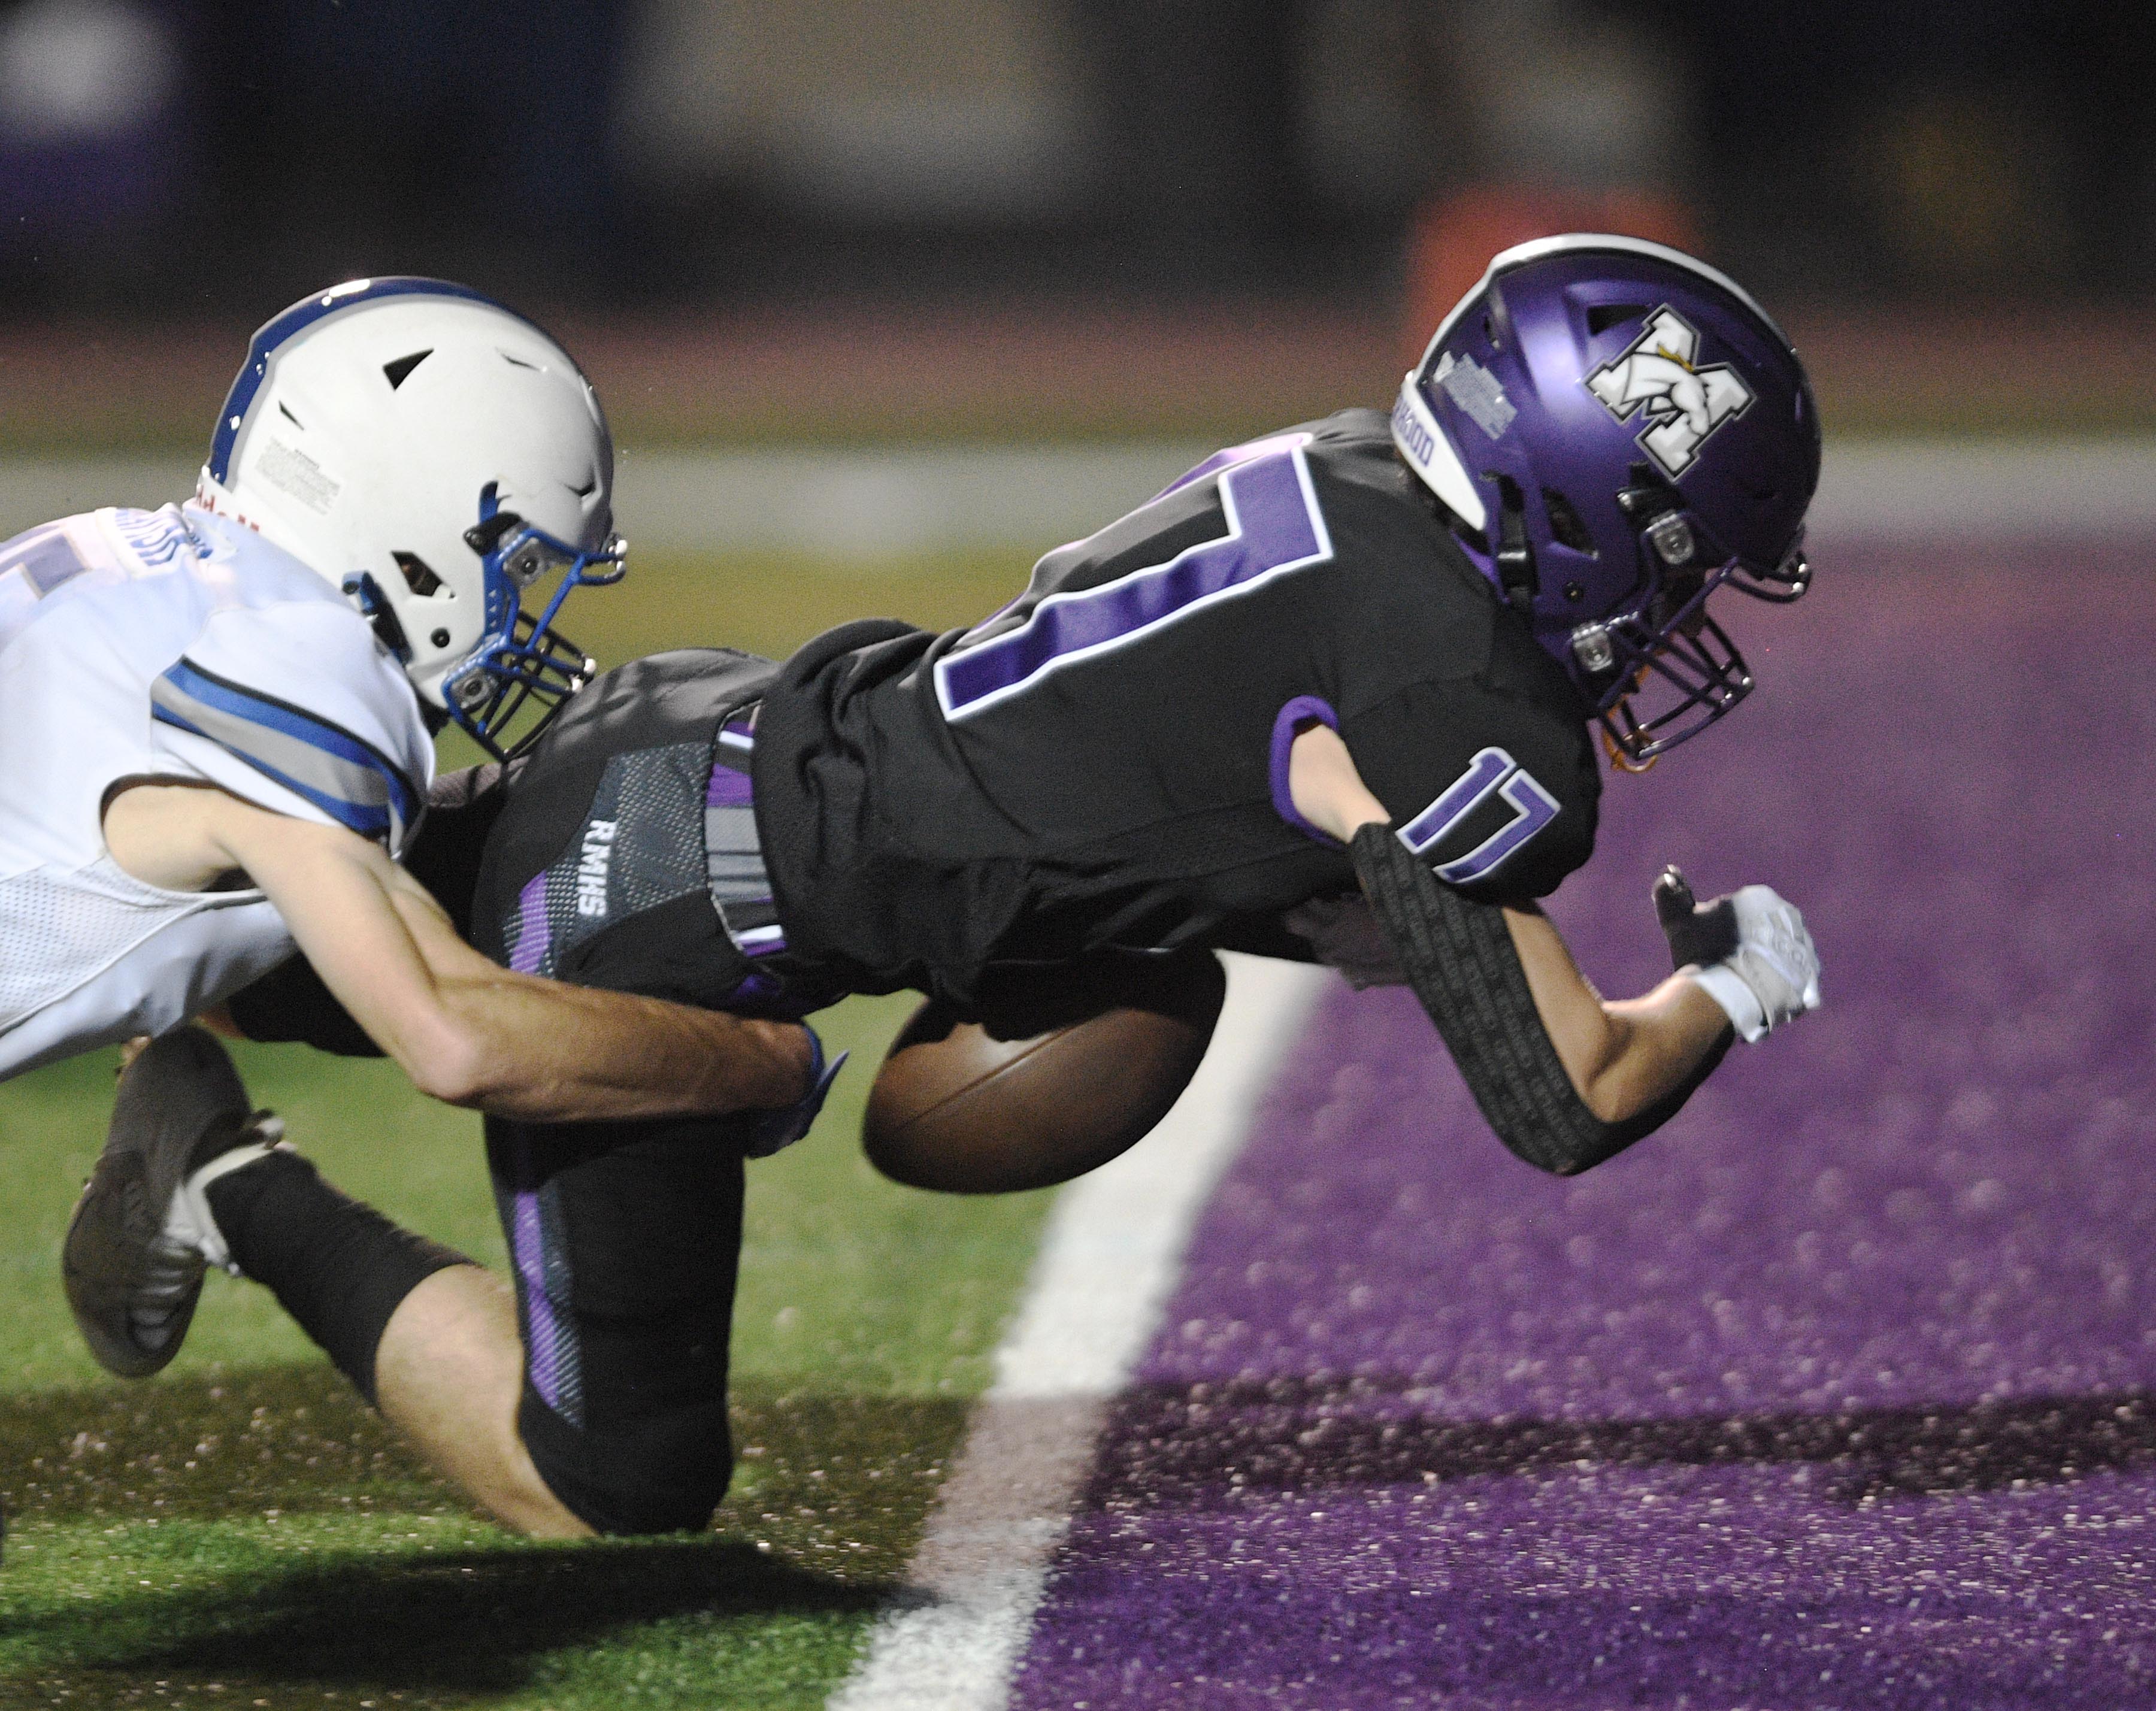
point(1273, 526)
point(533, 937)
point(728, 788)
point(1233, 455)
point(542, 1331)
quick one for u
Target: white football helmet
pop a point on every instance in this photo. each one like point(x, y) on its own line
point(434, 455)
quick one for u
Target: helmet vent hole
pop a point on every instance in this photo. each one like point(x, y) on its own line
point(1604, 316)
point(418, 577)
point(285, 410)
point(398, 373)
point(517, 361)
point(1566, 528)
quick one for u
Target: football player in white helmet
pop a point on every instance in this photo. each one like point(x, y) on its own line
point(437, 458)
point(215, 733)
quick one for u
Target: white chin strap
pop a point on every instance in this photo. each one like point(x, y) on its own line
point(1430, 454)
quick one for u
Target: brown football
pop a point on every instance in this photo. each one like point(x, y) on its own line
point(990, 1101)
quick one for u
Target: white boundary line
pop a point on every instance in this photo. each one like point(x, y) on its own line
point(876, 504)
point(1111, 1254)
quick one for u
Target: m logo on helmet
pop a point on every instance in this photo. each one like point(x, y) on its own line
point(1659, 373)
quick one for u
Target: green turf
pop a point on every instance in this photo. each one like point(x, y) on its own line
point(241, 1531)
point(769, 603)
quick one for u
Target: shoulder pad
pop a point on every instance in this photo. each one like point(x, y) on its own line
point(301, 696)
point(347, 777)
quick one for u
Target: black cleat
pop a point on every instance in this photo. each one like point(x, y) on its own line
point(141, 1235)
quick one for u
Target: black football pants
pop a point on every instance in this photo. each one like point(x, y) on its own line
point(624, 1238)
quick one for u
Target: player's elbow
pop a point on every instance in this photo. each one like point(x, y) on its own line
point(1604, 1071)
point(1609, 1099)
point(1564, 1137)
point(1564, 1119)
point(449, 1061)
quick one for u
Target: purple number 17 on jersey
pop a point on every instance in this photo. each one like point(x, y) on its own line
point(1274, 526)
point(1533, 808)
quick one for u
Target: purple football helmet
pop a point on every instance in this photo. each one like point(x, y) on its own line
point(1618, 431)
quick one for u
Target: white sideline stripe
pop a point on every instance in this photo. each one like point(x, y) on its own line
point(873, 504)
point(2081, 490)
point(1111, 1253)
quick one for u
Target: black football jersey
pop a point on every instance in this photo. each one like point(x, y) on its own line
point(1104, 762)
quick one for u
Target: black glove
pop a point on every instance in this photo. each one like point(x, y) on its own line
point(1700, 934)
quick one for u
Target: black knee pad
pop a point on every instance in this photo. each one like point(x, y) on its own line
point(623, 1240)
point(665, 1474)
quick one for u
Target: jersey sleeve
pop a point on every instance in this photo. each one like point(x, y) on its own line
point(296, 708)
point(1496, 794)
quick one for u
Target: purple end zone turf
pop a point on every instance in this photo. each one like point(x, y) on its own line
point(1841, 1391)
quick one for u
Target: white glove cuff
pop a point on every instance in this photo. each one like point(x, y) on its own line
point(1739, 1002)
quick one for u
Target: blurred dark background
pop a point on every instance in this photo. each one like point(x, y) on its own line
point(205, 160)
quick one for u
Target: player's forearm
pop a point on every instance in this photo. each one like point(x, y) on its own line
point(516, 1045)
point(546, 1053)
point(1622, 1058)
point(469, 1033)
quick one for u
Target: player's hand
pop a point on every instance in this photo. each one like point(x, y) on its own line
point(767, 1132)
point(1749, 952)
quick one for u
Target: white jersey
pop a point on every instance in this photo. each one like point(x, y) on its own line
point(171, 644)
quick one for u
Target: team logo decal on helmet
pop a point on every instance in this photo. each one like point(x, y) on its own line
point(1684, 402)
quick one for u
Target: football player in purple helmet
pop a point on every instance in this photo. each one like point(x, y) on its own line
point(1618, 431)
point(1330, 695)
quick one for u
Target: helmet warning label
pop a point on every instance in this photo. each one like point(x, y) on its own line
point(1475, 389)
point(291, 470)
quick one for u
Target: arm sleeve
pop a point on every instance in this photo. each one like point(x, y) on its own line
point(295, 707)
point(1458, 956)
point(1496, 791)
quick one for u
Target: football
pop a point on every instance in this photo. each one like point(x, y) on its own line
point(1021, 1094)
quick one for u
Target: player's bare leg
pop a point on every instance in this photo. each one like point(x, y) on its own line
point(192, 1176)
point(449, 1374)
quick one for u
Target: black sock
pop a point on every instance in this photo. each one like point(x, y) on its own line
point(339, 1267)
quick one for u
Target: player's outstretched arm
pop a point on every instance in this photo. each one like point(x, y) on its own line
point(1566, 1078)
point(1624, 1057)
point(464, 1029)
